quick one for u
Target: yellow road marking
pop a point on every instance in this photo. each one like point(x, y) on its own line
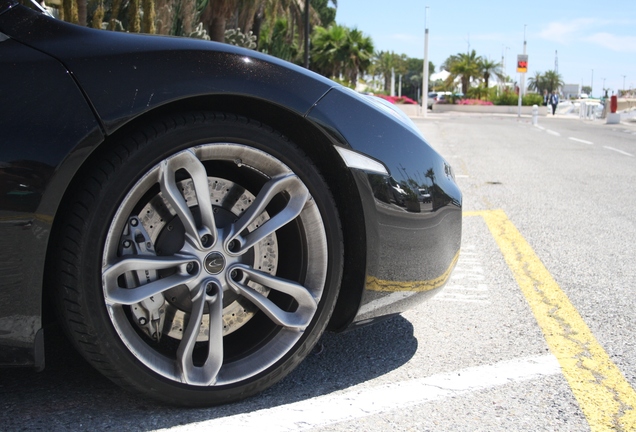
point(375, 284)
point(604, 395)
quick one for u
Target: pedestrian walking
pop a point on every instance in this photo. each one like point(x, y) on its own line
point(546, 98)
point(554, 101)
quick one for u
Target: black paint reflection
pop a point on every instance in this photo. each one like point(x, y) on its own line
point(22, 184)
point(411, 195)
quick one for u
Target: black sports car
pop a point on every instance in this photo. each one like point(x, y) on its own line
point(197, 214)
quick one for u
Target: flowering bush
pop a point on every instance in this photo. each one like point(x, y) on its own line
point(473, 102)
point(398, 99)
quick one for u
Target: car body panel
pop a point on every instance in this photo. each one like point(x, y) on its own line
point(56, 127)
point(99, 59)
point(409, 248)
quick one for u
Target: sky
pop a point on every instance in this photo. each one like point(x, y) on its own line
point(594, 41)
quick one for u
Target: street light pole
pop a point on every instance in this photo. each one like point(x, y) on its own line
point(603, 89)
point(523, 75)
point(425, 66)
point(522, 78)
point(592, 84)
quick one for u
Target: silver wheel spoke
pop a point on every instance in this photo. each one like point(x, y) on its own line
point(203, 375)
point(299, 319)
point(115, 294)
point(186, 160)
point(169, 256)
point(298, 196)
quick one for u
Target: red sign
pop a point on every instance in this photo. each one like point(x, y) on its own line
point(522, 63)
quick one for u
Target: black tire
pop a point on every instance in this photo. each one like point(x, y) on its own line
point(136, 257)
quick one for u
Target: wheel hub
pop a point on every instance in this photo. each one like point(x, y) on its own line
point(214, 263)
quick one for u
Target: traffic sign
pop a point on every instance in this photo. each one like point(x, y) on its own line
point(522, 63)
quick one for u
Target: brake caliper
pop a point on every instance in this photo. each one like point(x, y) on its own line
point(150, 313)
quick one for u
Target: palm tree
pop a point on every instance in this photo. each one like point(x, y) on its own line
point(488, 68)
point(537, 82)
point(275, 41)
point(215, 15)
point(69, 11)
point(248, 11)
point(358, 51)
point(465, 67)
point(340, 51)
point(553, 81)
point(327, 51)
point(384, 63)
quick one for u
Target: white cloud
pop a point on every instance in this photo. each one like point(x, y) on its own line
point(565, 32)
point(625, 44)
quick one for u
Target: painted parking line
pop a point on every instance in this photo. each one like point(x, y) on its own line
point(361, 401)
point(468, 282)
point(581, 140)
point(551, 132)
point(618, 151)
point(606, 398)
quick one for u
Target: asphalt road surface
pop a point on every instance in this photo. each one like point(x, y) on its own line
point(535, 330)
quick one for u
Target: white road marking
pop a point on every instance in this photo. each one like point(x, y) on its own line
point(466, 284)
point(539, 127)
point(619, 151)
point(551, 132)
point(580, 140)
point(461, 176)
point(360, 401)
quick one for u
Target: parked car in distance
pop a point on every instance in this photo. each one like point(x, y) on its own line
point(437, 97)
point(425, 196)
point(199, 214)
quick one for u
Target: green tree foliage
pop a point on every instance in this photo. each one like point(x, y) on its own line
point(215, 16)
point(69, 11)
point(338, 51)
point(276, 42)
point(170, 17)
point(536, 82)
point(466, 67)
point(553, 80)
point(383, 63)
point(134, 19)
point(549, 81)
point(412, 77)
point(328, 54)
point(326, 13)
point(512, 98)
point(98, 16)
point(148, 23)
point(489, 68)
point(358, 51)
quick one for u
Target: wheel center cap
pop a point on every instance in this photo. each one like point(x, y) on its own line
point(214, 263)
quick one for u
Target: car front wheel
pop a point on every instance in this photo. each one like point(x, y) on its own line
point(198, 260)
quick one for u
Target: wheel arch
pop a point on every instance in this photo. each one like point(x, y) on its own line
point(315, 143)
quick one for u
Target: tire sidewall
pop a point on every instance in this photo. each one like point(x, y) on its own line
point(130, 160)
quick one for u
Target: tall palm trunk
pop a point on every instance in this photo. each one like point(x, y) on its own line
point(214, 17)
point(81, 12)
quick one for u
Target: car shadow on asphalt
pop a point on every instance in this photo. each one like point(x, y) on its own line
point(70, 394)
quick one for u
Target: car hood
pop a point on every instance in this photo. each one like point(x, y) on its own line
point(125, 75)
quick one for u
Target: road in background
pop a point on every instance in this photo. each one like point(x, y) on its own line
point(475, 357)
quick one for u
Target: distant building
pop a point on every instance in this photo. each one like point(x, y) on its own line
point(571, 91)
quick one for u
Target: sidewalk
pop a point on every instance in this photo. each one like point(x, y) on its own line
point(628, 123)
